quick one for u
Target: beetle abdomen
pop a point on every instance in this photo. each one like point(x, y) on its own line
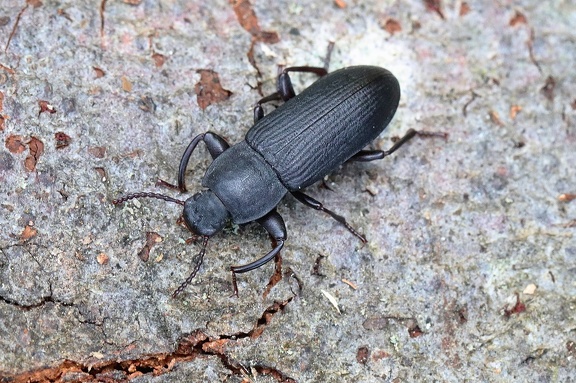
point(322, 127)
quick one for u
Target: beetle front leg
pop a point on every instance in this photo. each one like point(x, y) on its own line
point(317, 205)
point(274, 225)
point(215, 144)
point(373, 155)
point(285, 90)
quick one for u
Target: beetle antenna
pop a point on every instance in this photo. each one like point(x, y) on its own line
point(199, 259)
point(147, 195)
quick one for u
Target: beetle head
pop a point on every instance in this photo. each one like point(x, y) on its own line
point(204, 213)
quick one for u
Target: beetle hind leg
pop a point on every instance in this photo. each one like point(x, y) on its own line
point(317, 205)
point(373, 155)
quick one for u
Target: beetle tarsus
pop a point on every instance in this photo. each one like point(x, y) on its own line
point(317, 205)
point(328, 57)
point(162, 183)
point(426, 133)
point(373, 155)
point(256, 264)
point(234, 284)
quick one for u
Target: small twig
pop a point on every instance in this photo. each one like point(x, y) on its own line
point(15, 26)
point(531, 50)
point(474, 95)
point(102, 10)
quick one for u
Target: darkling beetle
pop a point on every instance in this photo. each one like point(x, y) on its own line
point(294, 146)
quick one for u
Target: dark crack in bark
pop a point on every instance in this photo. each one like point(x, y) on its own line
point(43, 301)
point(191, 346)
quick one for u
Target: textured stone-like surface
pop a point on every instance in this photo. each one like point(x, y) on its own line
point(456, 229)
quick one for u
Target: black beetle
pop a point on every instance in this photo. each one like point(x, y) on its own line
point(294, 146)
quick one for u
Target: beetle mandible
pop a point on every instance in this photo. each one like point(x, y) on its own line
point(292, 147)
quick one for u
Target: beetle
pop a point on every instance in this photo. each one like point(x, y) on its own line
point(299, 143)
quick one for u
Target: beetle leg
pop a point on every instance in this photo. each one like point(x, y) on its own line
point(373, 155)
point(315, 204)
point(285, 90)
point(215, 144)
point(274, 225)
point(259, 111)
point(284, 83)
